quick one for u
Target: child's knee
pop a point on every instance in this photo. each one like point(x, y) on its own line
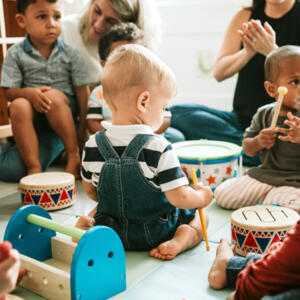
point(57, 98)
point(20, 108)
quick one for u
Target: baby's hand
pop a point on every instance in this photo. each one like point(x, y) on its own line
point(292, 133)
point(39, 99)
point(207, 192)
point(266, 138)
point(85, 223)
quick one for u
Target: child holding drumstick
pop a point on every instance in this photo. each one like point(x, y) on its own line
point(135, 174)
point(277, 179)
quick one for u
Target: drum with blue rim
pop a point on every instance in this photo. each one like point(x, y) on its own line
point(214, 161)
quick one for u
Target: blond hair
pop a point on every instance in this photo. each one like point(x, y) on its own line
point(135, 66)
point(143, 13)
point(273, 59)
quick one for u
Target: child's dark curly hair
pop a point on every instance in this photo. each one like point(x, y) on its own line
point(120, 32)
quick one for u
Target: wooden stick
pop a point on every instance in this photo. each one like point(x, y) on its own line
point(282, 90)
point(194, 177)
point(49, 224)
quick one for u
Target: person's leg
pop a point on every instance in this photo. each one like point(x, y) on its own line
point(197, 121)
point(286, 196)
point(174, 135)
point(240, 192)
point(237, 264)
point(186, 236)
point(289, 295)
point(21, 115)
point(225, 268)
point(61, 120)
point(12, 167)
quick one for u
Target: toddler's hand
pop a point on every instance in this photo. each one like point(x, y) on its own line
point(39, 99)
point(266, 138)
point(85, 223)
point(207, 192)
point(293, 132)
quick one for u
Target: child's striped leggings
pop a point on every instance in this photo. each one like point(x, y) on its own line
point(246, 191)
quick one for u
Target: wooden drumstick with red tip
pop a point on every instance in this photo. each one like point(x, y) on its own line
point(194, 177)
point(282, 90)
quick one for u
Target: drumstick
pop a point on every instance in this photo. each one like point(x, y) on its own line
point(282, 90)
point(194, 177)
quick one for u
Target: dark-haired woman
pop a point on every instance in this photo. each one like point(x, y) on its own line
point(252, 33)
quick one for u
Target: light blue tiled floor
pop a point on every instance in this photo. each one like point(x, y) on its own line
point(147, 278)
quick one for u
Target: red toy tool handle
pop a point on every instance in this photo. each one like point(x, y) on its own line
point(5, 248)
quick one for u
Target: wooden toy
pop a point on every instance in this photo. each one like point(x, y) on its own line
point(50, 190)
point(60, 269)
point(282, 90)
point(214, 161)
point(195, 182)
point(255, 228)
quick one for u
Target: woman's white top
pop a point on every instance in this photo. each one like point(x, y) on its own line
point(71, 35)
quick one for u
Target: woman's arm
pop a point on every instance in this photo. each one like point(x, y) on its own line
point(232, 58)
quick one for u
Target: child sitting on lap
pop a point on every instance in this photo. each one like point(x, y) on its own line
point(134, 174)
point(43, 76)
point(277, 179)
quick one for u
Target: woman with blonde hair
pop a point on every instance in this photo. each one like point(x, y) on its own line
point(84, 31)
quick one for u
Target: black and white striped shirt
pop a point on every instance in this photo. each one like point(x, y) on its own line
point(158, 160)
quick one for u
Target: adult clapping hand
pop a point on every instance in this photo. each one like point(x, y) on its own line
point(258, 37)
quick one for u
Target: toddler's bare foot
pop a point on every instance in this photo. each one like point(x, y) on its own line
point(185, 237)
point(85, 223)
point(34, 170)
point(73, 165)
point(217, 273)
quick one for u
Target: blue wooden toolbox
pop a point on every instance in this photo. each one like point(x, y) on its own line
point(60, 269)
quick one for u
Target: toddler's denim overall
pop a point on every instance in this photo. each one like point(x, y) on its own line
point(137, 210)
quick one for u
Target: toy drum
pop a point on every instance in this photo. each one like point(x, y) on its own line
point(50, 190)
point(214, 161)
point(256, 228)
